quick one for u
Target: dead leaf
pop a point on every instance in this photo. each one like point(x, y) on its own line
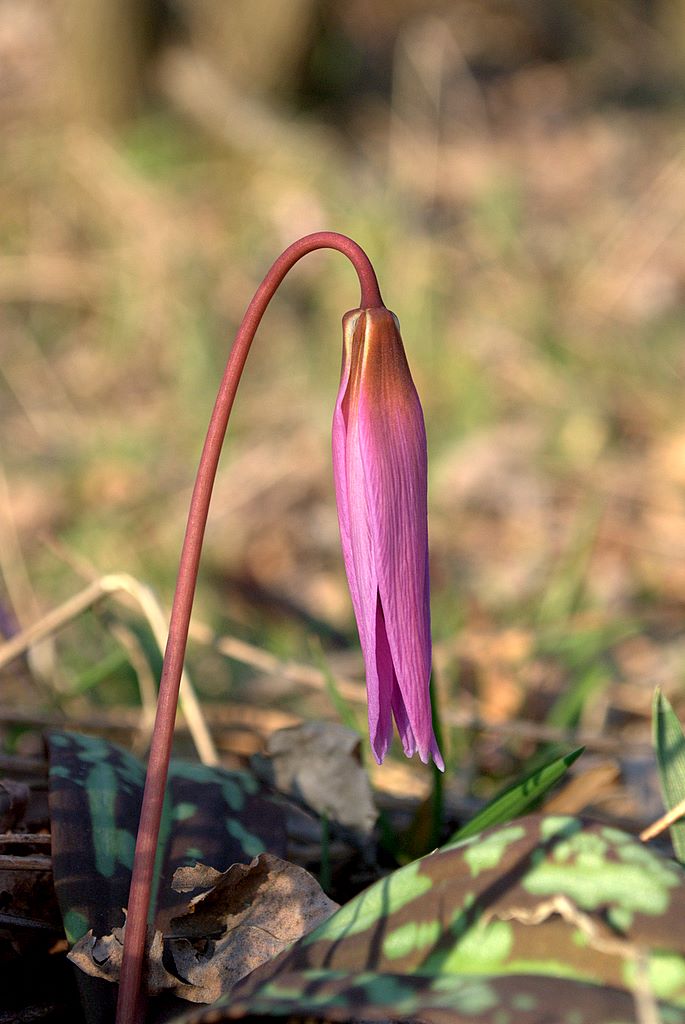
point(199, 876)
point(246, 916)
point(319, 763)
point(101, 958)
point(257, 910)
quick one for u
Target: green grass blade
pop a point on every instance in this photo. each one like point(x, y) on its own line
point(102, 670)
point(669, 744)
point(325, 874)
point(438, 787)
point(518, 797)
point(344, 709)
point(567, 710)
point(564, 592)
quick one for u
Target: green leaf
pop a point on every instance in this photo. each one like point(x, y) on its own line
point(344, 709)
point(95, 674)
point(584, 654)
point(669, 743)
point(477, 931)
point(210, 815)
point(516, 799)
point(468, 999)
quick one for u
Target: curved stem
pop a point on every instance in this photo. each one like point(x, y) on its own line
point(131, 1003)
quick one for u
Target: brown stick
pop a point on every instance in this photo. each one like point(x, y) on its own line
point(664, 822)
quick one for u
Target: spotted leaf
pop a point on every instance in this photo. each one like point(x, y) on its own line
point(477, 930)
point(210, 815)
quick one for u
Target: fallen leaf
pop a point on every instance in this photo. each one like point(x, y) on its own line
point(197, 876)
point(249, 913)
point(100, 957)
point(257, 910)
point(319, 763)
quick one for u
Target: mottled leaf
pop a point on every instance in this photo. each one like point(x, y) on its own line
point(517, 798)
point(325, 995)
point(210, 815)
point(669, 743)
point(477, 930)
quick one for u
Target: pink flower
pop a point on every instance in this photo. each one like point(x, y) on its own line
point(380, 469)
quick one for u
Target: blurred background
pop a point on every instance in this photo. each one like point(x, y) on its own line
point(516, 171)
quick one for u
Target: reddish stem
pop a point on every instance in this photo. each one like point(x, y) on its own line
point(131, 1003)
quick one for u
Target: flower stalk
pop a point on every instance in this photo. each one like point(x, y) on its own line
point(131, 1001)
point(379, 455)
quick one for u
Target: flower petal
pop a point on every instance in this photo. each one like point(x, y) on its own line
point(355, 535)
point(379, 462)
point(393, 445)
point(340, 449)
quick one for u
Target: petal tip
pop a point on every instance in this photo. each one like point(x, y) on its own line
point(432, 753)
point(379, 746)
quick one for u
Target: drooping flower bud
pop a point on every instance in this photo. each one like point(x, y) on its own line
point(380, 469)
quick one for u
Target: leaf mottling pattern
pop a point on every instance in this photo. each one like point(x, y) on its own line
point(538, 922)
point(96, 787)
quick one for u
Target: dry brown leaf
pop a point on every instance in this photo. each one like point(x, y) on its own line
point(248, 914)
point(320, 764)
point(101, 958)
point(254, 910)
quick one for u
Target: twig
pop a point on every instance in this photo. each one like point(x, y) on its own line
point(265, 661)
point(123, 719)
point(18, 585)
point(146, 682)
point(15, 764)
point(314, 678)
point(51, 623)
point(25, 839)
point(192, 86)
point(630, 244)
point(75, 606)
point(54, 277)
point(662, 823)
point(19, 862)
point(270, 664)
point(646, 1006)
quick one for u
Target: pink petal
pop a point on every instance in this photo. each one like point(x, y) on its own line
point(355, 539)
point(379, 460)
